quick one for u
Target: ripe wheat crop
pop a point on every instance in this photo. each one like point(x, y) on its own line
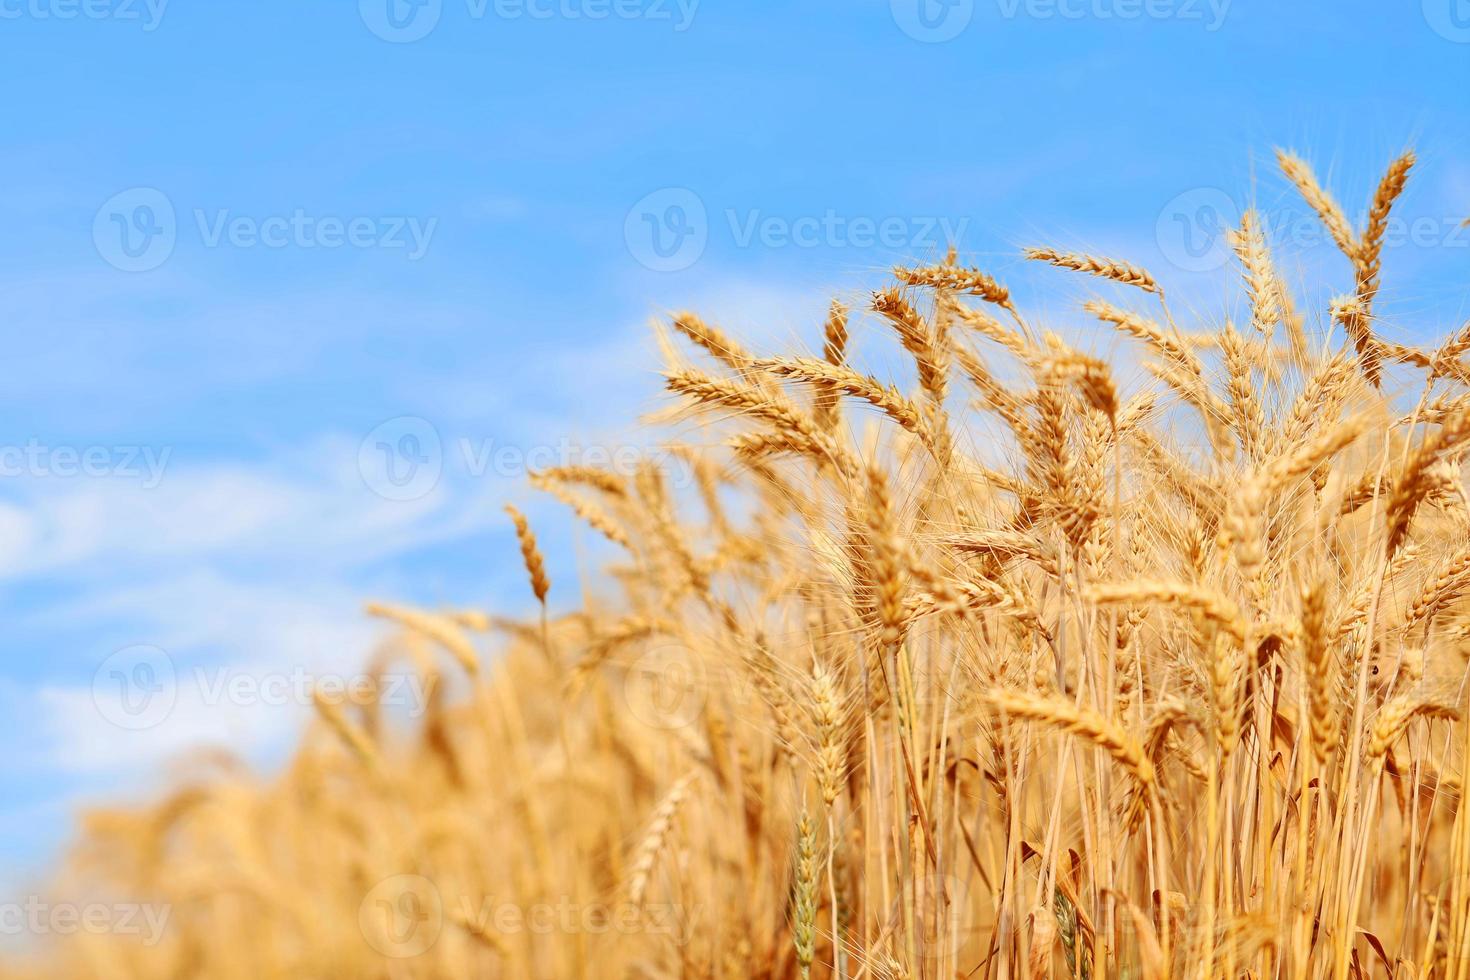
point(1025, 664)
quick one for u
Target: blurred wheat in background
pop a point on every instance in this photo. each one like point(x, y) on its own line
point(1033, 670)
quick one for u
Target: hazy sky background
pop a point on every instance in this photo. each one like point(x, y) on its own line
point(291, 291)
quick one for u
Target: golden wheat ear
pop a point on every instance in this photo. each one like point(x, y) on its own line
point(1300, 173)
point(1126, 750)
point(645, 857)
point(441, 629)
point(1368, 255)
point(954, 279)
point(530, 554)
point(1119, 272)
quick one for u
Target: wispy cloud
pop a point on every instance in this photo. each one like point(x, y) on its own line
point(231, 570)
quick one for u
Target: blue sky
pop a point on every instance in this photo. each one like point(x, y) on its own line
point(253, 253)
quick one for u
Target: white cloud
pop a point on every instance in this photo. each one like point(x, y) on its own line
point(280, 643)
point(310, 505)
point(240, 573)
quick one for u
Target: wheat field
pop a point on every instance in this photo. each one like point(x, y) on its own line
point(1027, 664)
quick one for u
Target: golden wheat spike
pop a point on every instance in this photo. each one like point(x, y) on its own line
point(1300, 173)
point(1088, 725)
point(1120, 272)
point(530, 554)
